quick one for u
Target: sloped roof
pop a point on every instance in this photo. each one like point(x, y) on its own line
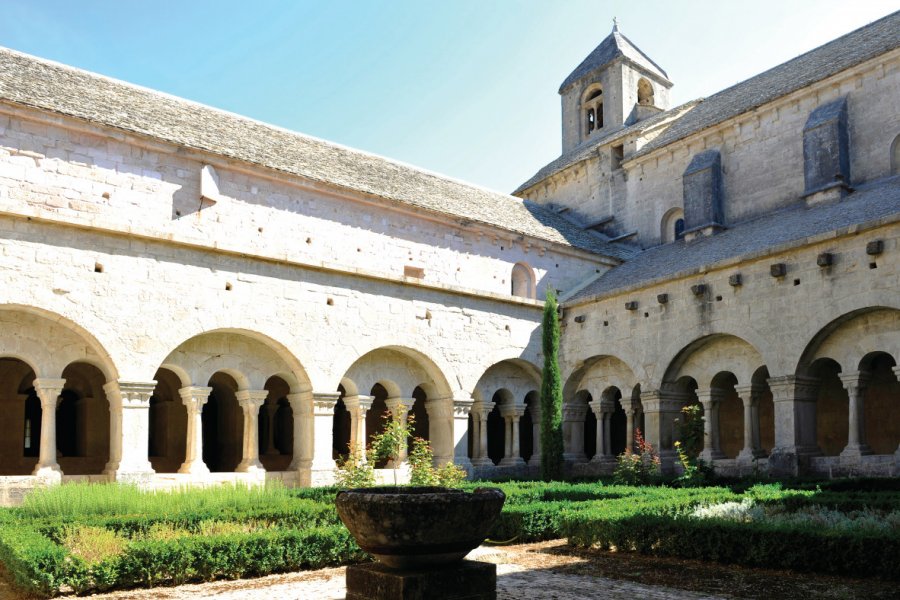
point(837, 55)
point(50, 86)
point(614, 46)
point(876, 202)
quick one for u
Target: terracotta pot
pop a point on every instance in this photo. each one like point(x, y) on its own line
point(412, 527)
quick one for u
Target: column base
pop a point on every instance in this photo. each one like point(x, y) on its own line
point(600, 458)
point(140, 478)
point(250, 467)
point(711, 455)
point(515, 461)
point(300, 465)
point(49, 473)
point(535, 460)
point(484, 461)
point(194, 468)
point(855, 452)
point(462, 462)
point(571, 457)
point(749, 455)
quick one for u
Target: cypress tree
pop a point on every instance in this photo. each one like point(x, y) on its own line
point(551, 395)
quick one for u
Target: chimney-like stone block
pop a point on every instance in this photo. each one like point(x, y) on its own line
point(826, 148)
point(703, 194)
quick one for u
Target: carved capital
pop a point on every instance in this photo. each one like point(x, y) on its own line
point(48, 391)
point(750, 393)
point(194, 397)
point(790, 388)
point(324, 403)
point(358, 402)
point(301, 404)
point(855, 382)
point(462, 407)
point(512, 411)
point(710, 397)
point(129, 394)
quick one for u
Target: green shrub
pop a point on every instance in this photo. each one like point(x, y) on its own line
point(36, 564)
point(637, 468)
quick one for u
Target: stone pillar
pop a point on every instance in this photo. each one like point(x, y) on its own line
point(603, 410)
point(129, 414)
point(749, 395)
point(896, 371)
point(661, 408)
point(855, 383)
point(48, 391)
point(400, 408)
point(462, 407)
point(322, 431)
point(302, 413)
point(535, 408)
point(480, 412)
point(794, 398)
point(250, 401)
point(194, 398)
point(511, 414)
point(573, 432)
point(358, 406)
point(269, 409)
point(710, 400)
point(629, 429)
point(440, 429)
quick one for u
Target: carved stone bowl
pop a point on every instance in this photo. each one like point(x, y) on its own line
point(415, 527)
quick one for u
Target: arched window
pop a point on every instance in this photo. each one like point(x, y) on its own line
point(672, 226)
point(592, 106)
point(522, 281)
point(644, 92)
point(895, 156)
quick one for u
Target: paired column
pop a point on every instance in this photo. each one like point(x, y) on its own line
point(323, 404)
point(573, 432)
point(194, 398)
point(855, 383)
point(535, 409)
point(250, 401)
point(710, 399)
point(480, 412)
point(603, 411)
point(400, 408)
point(794, 398)
point(462, 408)
point(48, 391)
point(749, 395)
point(661, 409)
point(358, 406)
point(129, 412)
point(512, 454)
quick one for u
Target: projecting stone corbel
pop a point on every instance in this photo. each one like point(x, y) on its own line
point(209, 186)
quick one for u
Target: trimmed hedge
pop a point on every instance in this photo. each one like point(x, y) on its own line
point(36, 564)
point(751, 544)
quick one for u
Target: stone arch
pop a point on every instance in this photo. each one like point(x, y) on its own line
point(500, 402)
point(597, 373)
point(48, 342)
point(672, 225)
point(522, 281)
point(644, 92)
point(400, 369)
point(591, 109)
point(703, 358)
point(850, 337)
point(20, 417)
point(167, 417)
point(251, 358)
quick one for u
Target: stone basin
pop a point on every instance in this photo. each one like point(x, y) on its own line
point(415, 527)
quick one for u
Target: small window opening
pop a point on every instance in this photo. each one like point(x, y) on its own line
point(618, 153)
point(679, 229)
point(28, 434)
point(644, 92)
point(796, 282)
point(646, 315)
point(98, 268)
point(873, 265)
point(590, 120)
point(606, 323)
point(718, 298)
point(330, 302)
point(228, 286)
point(522, 282)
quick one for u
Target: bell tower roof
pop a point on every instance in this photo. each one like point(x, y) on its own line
point(614, 46)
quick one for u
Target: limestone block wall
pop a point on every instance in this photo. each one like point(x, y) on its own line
point(777, 318)
point(88, 176)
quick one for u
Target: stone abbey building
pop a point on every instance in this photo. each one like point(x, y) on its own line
point(193, 296)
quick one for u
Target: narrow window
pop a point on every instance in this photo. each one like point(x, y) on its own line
point(618, 153)
point(27, 434)
point(590, 120)
point(679, 229)
point(644, 92)
point(522, 281)
point(599, 115)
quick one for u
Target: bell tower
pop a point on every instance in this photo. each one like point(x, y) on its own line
point(615, 86)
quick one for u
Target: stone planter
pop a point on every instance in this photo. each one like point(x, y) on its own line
point(416, 527)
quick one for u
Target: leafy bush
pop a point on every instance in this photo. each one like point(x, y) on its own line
point(354, 472)
point(37, 565)
point(638, 468)
point(423, 471)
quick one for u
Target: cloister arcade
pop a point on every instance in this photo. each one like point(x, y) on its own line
point(233, 404)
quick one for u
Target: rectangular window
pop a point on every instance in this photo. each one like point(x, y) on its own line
point(28, 434)
point(618, 153)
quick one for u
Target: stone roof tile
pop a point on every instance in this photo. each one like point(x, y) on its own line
point(49, 86)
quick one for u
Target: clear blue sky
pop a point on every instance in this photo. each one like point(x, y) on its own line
point(465, 88)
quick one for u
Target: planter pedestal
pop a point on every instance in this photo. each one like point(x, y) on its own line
point(463, 580)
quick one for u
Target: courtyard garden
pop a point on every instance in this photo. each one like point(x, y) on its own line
point(84, 538)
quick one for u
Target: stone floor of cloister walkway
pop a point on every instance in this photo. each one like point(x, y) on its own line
point(553, 570)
